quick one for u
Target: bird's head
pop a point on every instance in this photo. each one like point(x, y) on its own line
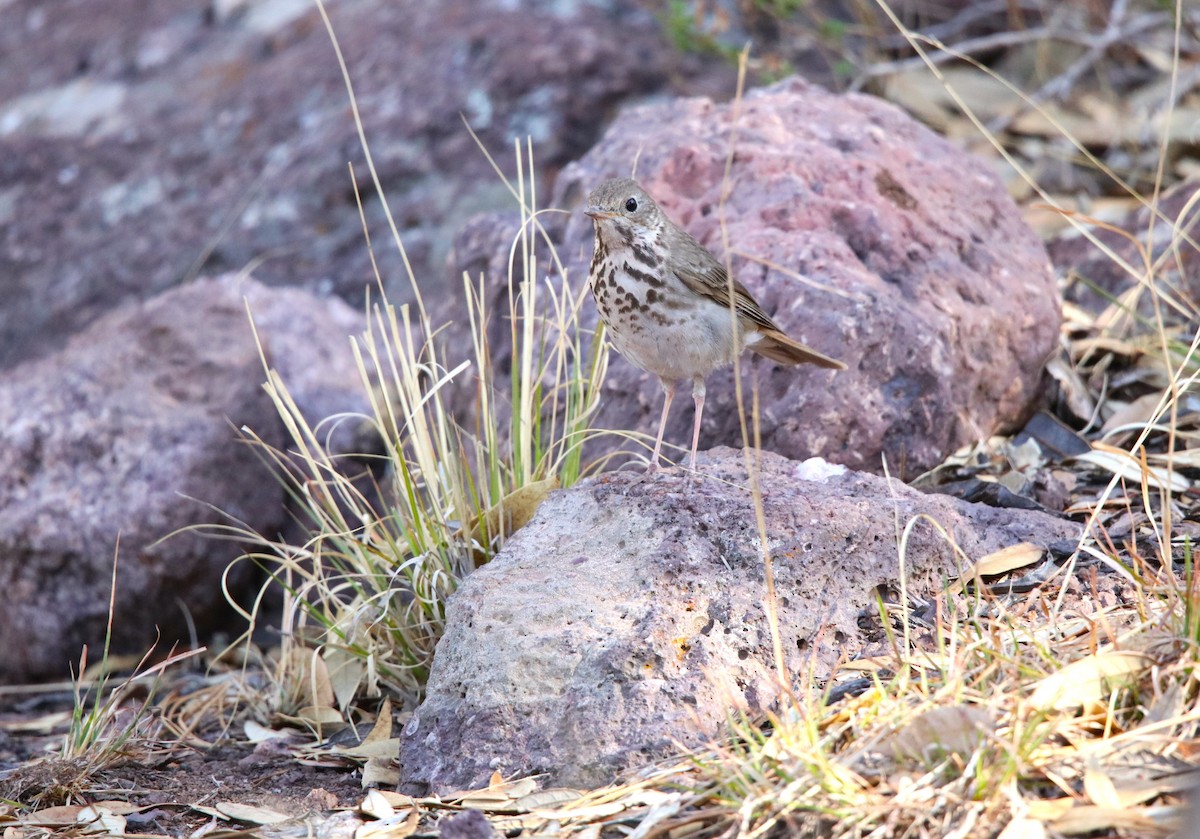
point(621, 204)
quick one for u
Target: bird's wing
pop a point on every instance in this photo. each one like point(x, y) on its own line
point(707, 277)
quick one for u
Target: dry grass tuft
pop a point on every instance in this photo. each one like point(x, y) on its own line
point(389, 541)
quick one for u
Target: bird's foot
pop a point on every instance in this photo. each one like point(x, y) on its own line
point(655, 472)
point(693, 477)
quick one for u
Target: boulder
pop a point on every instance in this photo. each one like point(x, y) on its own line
point(151, 143)
point(628, 617)
point(867, 236)
point(128, 433)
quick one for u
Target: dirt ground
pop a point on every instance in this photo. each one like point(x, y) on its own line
point(176, 791)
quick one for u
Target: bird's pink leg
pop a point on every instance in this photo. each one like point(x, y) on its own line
point(698, 398)
point(668, 395)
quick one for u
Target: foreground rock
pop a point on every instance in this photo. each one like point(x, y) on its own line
point(870, 238)
point(128, 432)
point(628, 617)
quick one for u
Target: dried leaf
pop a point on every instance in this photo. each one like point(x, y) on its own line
point(513, 512)
point(1051, 120)
point(323, 718)
point(1166, 706)
point(71, 814)
point(546, 798)
point(925, 96)
point(1131, 416)
point(397, 799)
point(306, 678)
point(41, 724)
point(1023, 828)
point(1052, 435)
point(101, 820)
point(382, 729)
point(122, 808)
point(589, 812)
point(368, 749)
point(212, 812)
point(1024, 457)
point(999, 562)
point(380, 772)
point(256, 733)
point(1122, 463)
point(1075, 391)
point(499, 794)
point(250, 814)
point(1088, 680)
point(376, 805)
point(211, 826)
point(1185, 459)
point(396, 826)
point(1087, 818)
point(346, 673)
point(1100, 788)
point(61, 816)
point(955, 729)
point(1048, 809)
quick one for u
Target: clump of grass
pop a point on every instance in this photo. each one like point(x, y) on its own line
point(111, 725)
point(690, 32)
point(388, 544)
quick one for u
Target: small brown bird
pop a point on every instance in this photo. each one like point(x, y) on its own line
point(666, 301)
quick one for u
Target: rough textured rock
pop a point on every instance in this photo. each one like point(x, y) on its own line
point(466, 824)
point(129, 430)
point(156, 141)
point(930, 286)
point(628, 616)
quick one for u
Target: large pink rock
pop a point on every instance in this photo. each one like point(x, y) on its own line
point(920, 273)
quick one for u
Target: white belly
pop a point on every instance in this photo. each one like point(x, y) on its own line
point(678, 335)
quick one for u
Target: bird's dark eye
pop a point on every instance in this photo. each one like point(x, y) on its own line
point(631, 205)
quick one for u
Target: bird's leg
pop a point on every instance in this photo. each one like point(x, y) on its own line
point(698, 398)
point(668, 395)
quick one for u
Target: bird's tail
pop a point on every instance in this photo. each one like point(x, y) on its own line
point(779, 347)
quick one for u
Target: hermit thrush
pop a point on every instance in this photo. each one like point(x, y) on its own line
point(665, 301)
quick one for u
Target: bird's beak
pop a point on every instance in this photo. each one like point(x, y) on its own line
point(596, 213)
